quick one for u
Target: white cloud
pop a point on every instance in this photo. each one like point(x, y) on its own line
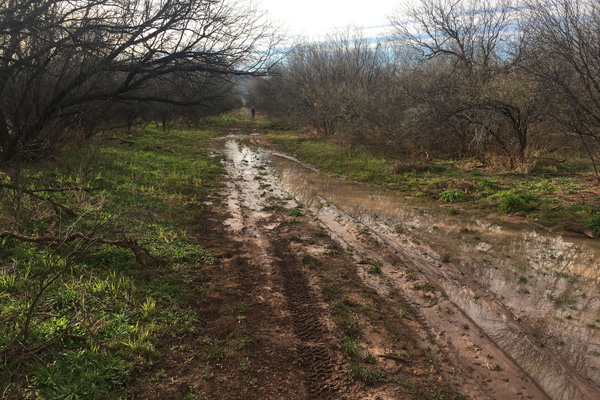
point(315, 18)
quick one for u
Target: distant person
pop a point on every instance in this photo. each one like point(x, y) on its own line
point(253, 111)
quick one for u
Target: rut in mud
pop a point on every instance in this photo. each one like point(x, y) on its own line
point(311, 349)
point(315, 357)
point(460, 319)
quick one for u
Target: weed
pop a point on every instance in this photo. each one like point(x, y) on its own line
point(407, 312)
point(214, 352)
point(375, 268)
point(522, 267)
point(242, 342)
point(487, 185)
point(311, 261)
point(206, 375)
point(391, 328)
point(295, 212)
point(399, 229)
point(366, 375)
point(64, 299)
point(560, 300)
point(356, 352)
point(81, 375)
point(512, 202)
point(331, 291)
point(424, 286)
point(240, 306)
point(437, 168)
point(149, 306)
point(362, 230)
point(332, 249)
point(452, 196)
point(344, 318)
point(245, 362)
point(159, 376)
point(522, 279)
point(320, 234)
point(273, 207)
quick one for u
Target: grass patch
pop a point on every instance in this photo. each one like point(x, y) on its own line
point(356, 352)
point(82, 374)
point(343, 317)
point(551, 195)
point(112, 305)
point(365, 374)
point(452, 196)
point(511, 202)
point(594, 224)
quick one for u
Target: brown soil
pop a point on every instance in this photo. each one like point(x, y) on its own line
point(286, 302)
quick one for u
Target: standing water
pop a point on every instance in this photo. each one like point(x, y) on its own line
point(535, 294)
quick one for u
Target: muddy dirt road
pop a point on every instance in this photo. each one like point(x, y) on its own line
point(496, 313)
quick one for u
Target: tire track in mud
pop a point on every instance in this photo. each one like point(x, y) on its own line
point(450, 339)
point(321, 376)
point(280, 266)
point(322, 379)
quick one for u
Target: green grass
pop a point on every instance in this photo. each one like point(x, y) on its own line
point(343, 316)
point(81, 375)
point(594, 224)
point(452, 196)
point(356, 352)
point(112, 308)
point(365, 374)
point(551, 195)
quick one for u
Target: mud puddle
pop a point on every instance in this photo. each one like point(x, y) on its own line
point(534, 294)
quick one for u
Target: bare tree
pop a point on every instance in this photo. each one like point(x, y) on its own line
point(331, 87)
point(61, 60)
point(564, 55)
point(479, 90)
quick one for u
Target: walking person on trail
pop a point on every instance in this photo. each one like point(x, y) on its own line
point(253, 111)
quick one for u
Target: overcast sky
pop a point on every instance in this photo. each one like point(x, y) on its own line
point(316, 18)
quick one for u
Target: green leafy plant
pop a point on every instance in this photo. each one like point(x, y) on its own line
point(452, 196)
